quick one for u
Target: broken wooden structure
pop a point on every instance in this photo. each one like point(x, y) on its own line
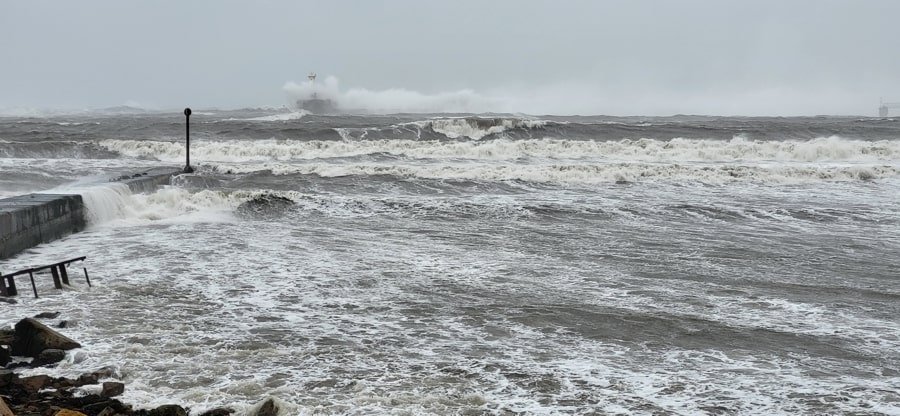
point(57, 270)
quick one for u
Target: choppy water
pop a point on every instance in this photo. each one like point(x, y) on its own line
point(494, 264)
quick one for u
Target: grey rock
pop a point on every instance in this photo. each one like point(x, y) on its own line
point(112, 389)
point(219, 411)
point(32, 337)
point(47, 315)
point(168, 410)
point(67, 324)
point(107, 411)
point(268, 408)
point(51, 356)
point(7, 377)
point(6, 336)
point(34, 383)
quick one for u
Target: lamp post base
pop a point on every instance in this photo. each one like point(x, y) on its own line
point(188, 169)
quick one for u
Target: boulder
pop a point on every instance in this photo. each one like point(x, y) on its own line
point(109, 407)
point(219, 411)
point(107, 411)
point(67, 412)
point(106, 372)
point(112, 389)
point(4, 357)
point(95, 377)
point(66, 324)
point(7, 377)
point(168, 410)
point(6, 336)
point(10, 301)
point(267, 408)
point(87, 378)
point(46, 357)
point(32, 337)
point(93, 404)
point(47, 315)
point(64, 383)
point(4, 409)
point(34, 383)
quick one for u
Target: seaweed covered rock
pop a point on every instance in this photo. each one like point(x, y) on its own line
point(265, 206)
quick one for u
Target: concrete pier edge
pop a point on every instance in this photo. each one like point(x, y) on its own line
point(32, 219)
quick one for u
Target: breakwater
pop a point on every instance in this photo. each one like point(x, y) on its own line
point(32, 219)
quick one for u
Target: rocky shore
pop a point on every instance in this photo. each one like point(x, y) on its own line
point(32, 344)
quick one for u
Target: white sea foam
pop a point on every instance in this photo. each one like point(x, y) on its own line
point(384, 322)
point(825, 149)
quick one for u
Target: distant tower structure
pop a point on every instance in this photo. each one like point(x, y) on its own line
point(312, 81)
point(315, 104)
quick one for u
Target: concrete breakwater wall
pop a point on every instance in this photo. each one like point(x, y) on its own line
point(29, 220)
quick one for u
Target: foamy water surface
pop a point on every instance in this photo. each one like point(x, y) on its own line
point(487, 266)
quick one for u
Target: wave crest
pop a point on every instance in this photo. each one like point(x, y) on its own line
point(582, 174)
point(828, 149)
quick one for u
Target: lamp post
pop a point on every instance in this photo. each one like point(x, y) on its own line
point(187, 139)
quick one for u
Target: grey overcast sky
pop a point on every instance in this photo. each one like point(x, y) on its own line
point(560, 57)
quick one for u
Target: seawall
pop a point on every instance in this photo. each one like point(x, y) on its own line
point(29, 220)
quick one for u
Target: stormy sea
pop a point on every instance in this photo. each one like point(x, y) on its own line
point(477, 264)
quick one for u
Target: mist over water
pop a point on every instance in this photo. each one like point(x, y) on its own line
point(469, 264)
point(396, 100)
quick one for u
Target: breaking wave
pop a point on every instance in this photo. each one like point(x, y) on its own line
point(116, 203)
point(581, 173)
point(826, 149)
point(475, 127)
point(53, 150)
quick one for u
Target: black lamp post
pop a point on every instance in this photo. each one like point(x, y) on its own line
point(187, 139)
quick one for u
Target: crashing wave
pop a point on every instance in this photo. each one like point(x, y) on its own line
point(476, 128)
point(826, 149)
point(582, 174)
point(116, 203)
